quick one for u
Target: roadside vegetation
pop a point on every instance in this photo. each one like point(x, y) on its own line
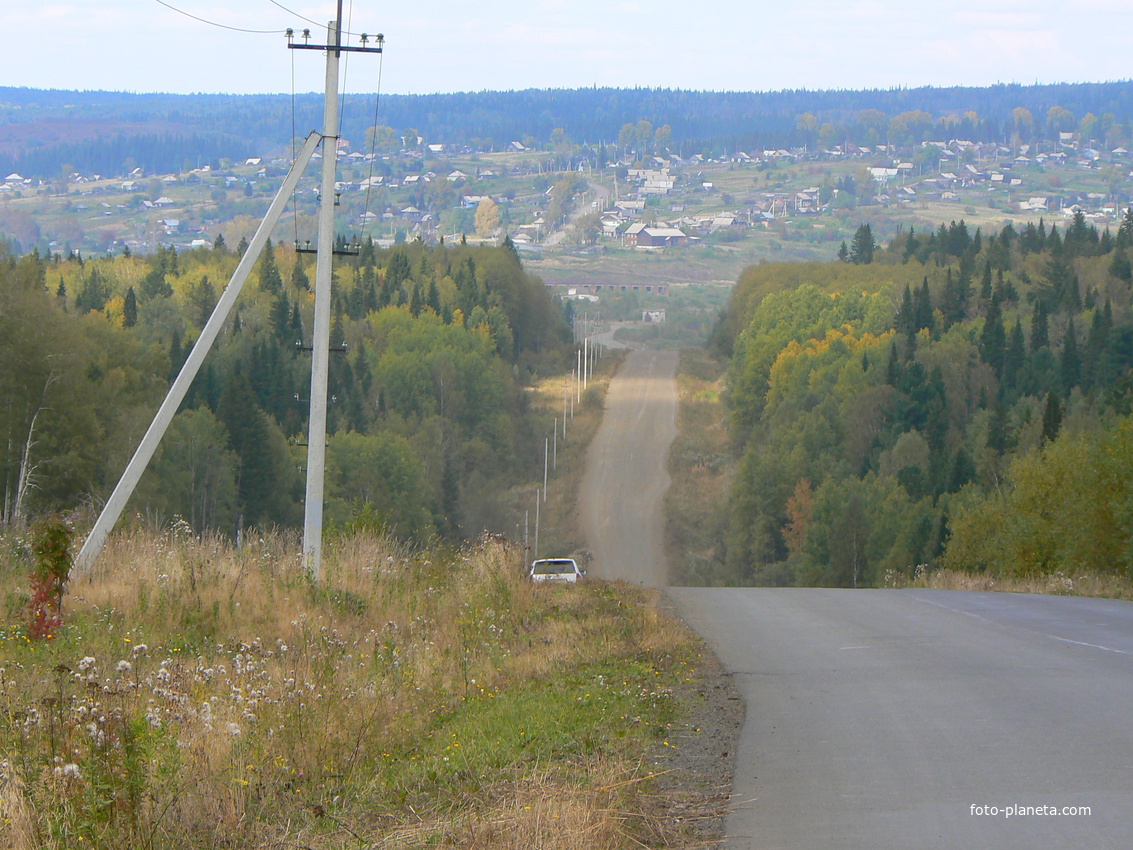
point(954, 401)
point(196, 694)
point(560, 525)
point(700, 468)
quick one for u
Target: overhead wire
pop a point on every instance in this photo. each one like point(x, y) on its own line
point(310, 20)
point(373, 144)
point(345, 74)
point(295, 192)
point(215, 23)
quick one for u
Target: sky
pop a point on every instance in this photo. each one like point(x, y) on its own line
point(444, 46)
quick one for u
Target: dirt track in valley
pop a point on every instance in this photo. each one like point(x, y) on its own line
point(626, 475)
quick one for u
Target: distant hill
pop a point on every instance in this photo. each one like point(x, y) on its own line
point(43, 129)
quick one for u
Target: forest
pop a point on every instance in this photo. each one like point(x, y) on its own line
point(429, 423)
point(45, 129)
point(953, 399)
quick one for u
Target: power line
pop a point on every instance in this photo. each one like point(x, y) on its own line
point(346, 31)
point(296, 14)
point(215, 24)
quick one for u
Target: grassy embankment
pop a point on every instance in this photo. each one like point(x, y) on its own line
point(700, 466)
point(1059, 584)
point(201, 695)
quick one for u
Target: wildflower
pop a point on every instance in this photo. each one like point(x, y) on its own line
point(68, 771)
point(233, 729)
point(124, 666)
point(140, 649)
point(86, 664)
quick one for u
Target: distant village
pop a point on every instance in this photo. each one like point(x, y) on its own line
point(644, 202)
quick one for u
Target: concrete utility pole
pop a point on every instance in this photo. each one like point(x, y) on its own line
point(324, 268)
point(315, 463)
point(145, 451)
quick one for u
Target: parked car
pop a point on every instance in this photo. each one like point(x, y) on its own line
point(556, 569)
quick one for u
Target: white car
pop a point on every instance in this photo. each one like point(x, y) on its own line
point(556, 569)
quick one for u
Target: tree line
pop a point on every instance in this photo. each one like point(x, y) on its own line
point(957, 398)
point(428, 423)
point(709, 123)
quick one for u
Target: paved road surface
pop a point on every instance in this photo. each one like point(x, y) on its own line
point(877, 718)
point(626, 475)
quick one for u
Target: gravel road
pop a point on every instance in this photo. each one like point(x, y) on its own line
point(626, 475)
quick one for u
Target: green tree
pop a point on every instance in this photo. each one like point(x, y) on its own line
point(862, 246)
point(130, 309)
point(193, 474)
point(249, 439)
point(378, 475)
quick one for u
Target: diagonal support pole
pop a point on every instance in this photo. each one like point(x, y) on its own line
point(146, 449)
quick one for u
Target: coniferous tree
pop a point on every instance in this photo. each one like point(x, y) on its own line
point(177, 356)
point(953, 303)
point(270, 279)
point(416, 301)
point(997, 429)
point(1052, 417)
point(130, 309)
point(94, 295)
point(923, 306)
point(905, 321)
point(1014, 359)
point(281, 320)
point(993, 340)
point(1071, 361)
point(862, 246)
point(986, 292)
point(1096, 343)
point(1040, 336)
point(299, 279)
point(433, 299)
point(154, 285)
point(247, 428)
point(1119, 265)
point(1125, 231)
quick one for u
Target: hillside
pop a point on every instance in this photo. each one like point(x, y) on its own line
point(434, 349)
point(957, 398)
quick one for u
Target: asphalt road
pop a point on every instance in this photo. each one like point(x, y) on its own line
point(879, 718)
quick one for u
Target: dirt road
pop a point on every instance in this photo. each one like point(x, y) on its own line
point(626, 475)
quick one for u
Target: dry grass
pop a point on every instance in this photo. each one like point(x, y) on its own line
point(201, 695)
point(560, 524)
point(1112, 587)
point(700, 465)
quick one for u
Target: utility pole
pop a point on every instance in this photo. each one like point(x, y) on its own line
point(92, 546)
point(111, 512)
point(324, 268)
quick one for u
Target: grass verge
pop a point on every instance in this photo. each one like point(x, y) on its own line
point(1059, 584)
point(700, 467)
point(200, 695)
